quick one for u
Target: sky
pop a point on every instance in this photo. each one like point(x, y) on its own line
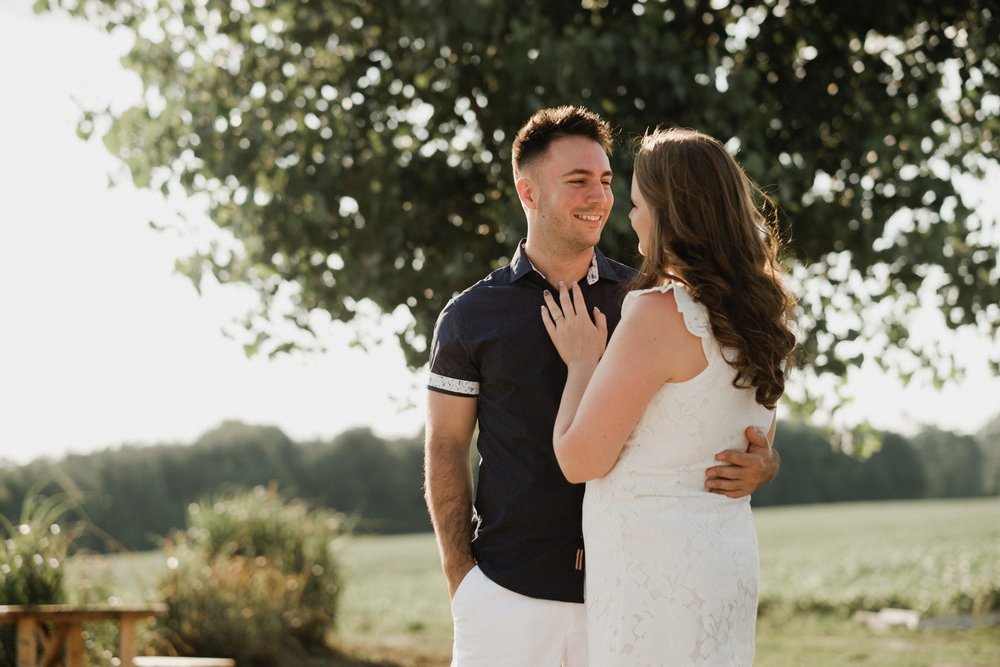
point(102, 343)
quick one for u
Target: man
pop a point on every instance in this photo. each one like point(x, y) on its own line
point(514, 560)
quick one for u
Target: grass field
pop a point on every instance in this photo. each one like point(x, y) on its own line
point(819, 564)
point(939, 557)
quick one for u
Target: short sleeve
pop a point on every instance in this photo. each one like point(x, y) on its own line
point(452, 368)
point(695, 315)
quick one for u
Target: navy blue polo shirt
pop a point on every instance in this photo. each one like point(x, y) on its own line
point(489, 343)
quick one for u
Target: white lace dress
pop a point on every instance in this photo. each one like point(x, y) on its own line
point(672, 568)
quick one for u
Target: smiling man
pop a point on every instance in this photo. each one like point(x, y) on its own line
point(514, 559)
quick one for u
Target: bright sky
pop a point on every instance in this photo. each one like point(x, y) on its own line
point(101, 343)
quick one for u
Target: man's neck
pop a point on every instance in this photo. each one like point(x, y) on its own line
point(568, 267)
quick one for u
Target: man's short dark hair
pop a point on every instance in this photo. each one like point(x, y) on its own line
point(547, 125)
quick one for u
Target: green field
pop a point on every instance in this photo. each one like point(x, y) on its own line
point(819, 564)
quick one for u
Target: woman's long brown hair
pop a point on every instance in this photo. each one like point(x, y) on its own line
point(713, 230)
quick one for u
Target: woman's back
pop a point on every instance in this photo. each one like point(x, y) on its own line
point(687, 423)
point(671, 567)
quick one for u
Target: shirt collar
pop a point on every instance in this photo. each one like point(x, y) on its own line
point(600, 266)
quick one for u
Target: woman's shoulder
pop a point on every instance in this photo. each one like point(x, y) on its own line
point(672, 301)
point(651, 301)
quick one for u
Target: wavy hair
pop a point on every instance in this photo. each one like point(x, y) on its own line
point(714, 230)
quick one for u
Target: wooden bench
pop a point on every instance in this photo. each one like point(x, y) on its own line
point(52, 634)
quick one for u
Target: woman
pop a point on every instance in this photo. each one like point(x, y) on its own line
point(699, 354)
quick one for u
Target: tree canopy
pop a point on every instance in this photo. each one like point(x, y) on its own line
point(360, 150)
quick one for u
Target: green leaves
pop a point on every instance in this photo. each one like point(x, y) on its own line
point(856, 121)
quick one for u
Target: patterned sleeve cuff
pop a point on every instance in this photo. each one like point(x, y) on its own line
point(452, 385)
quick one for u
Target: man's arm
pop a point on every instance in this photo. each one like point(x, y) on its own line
point(747, 471)
point(451, 421)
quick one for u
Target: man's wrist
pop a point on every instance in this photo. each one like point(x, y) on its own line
point(459, 562)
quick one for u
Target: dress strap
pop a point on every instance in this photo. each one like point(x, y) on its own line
point(695, 314)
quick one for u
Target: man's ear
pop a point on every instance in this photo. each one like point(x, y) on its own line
point(527, 192)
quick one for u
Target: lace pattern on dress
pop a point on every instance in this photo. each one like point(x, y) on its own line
point(672, 569)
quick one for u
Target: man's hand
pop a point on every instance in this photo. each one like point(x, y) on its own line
point(456, 573)
point(747, 471)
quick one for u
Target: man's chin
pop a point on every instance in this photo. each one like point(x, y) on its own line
point(593, 237)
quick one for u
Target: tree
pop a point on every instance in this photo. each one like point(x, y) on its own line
point(376, 481)
point(360, 150)
point(245, 455)
point(894, 471)
point(953, 464)
point(812, 469)
point(989, 442)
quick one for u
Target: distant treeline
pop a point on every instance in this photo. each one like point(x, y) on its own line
point(932, 464)
point(132, 496)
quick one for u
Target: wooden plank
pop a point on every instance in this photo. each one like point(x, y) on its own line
point(78, 614)
point(27, 643)
point(52, 645)
point(74, 646)
point(126, 641)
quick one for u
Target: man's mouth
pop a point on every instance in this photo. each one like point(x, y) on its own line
point(588, 217)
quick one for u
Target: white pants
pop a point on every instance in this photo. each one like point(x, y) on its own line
point(495, 627)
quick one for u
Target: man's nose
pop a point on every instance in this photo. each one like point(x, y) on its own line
point(599, 194)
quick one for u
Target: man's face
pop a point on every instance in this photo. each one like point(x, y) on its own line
point(574, 198)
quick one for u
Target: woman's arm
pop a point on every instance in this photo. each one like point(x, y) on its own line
point(602, 402)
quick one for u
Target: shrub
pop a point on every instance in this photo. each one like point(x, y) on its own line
point(254, 578)
point(32, 556)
